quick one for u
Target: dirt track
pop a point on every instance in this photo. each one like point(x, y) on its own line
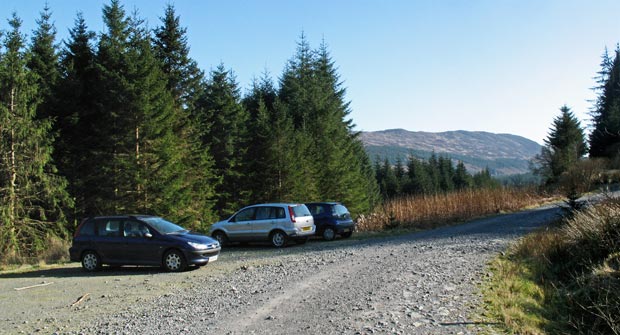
point(424, 283)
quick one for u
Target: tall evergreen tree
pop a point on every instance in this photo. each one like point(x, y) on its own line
point(564, 146)
point(223, 130)
point(605, 137)
point(269, 133)
point(184, 76)
point(32, 194)
point(44, 62)
point(462, 180)
point(184, 80)
point(419, 179)
point(76, 120)
point(311, 91)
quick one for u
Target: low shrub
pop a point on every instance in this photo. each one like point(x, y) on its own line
point(575, 266)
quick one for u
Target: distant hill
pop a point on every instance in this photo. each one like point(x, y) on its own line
point(503, 154)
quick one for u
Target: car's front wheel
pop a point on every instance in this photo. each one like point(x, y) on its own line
point(91, 261)
point(174, 261)
point(278, 238)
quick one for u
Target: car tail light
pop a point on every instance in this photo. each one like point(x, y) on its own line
point(292, 213)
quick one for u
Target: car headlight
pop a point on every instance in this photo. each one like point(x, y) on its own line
point(198, 246)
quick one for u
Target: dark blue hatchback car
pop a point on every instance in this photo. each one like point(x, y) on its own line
point(331, 219)
point(139, 240)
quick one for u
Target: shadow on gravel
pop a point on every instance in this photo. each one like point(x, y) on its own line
point(106, 271)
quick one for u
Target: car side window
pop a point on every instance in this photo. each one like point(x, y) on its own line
point(245, 215)
point(316, 210)
point(134, 229)
point(280, 214)
point(110, 228)
point(265, 213)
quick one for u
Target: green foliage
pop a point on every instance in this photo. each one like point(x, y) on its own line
point(564, 147)
point(139, 129)
point(32, 195)
point(435, 175)
point(605, 137)
point(496, 166)
point(223, 132)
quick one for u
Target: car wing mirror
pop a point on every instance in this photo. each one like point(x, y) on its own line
point(148, 235)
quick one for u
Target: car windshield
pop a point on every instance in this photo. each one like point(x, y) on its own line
point(163, 226)
point(341, 212)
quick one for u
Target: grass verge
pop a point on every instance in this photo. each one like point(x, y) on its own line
point(561, 280)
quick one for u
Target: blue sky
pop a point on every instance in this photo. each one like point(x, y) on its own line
point(497, 65)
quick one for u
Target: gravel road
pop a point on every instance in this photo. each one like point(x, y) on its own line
point(422, 283)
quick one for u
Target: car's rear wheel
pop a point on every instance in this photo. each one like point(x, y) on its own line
point(278, 239)
point(329, 234)
point(174, 261)
point(221, 238)
point(347, 234)
point(91, 261)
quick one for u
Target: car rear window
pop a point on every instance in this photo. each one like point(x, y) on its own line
point(301, 210)
point(87, 229)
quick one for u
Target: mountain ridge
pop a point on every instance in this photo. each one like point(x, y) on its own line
point(504, 154)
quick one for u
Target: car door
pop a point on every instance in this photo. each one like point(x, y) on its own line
point(110, 242)
point(139, 247)
point(239, 227)
point(265, 220)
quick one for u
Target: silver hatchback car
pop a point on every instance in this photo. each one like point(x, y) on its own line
point(277, 223)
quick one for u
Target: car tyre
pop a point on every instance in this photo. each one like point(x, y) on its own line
point(221, 238)
point(329, 234)
point(174, 261)
point(278, 239)
point(347, 234)
point(91, 261)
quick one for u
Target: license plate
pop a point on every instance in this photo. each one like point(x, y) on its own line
point(346, 230)
point(306, 228)
point(213, 258)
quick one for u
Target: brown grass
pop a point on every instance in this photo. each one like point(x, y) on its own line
point(429, 211)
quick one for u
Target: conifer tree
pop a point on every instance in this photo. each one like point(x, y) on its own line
point(32, 195)
point(334, 166)
point(419, 179)
point(223, 122)
point(269, 130)
point(483, 179)
point(75, 119)
point(605, 137)
point(44, 63)
point(462, 180)
point(184, 83)
point(564, 146)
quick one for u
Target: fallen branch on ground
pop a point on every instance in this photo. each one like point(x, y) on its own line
point(38, 285)
point(80, 299)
